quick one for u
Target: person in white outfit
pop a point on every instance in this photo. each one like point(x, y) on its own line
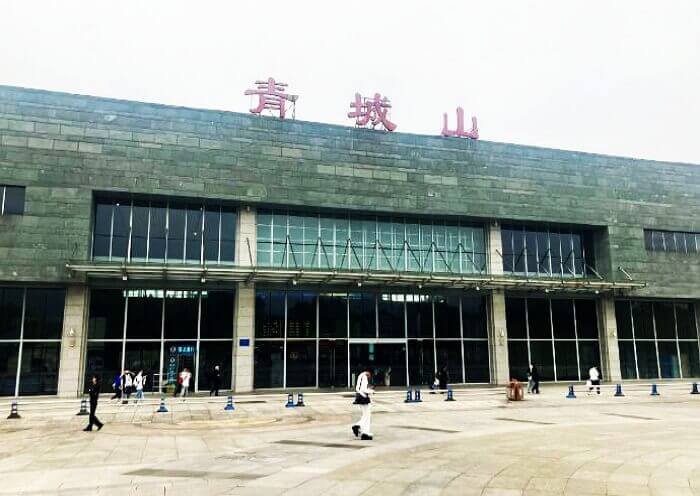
point(186, 376)
point(363, 428)
point(593, 379)
point(139, 382)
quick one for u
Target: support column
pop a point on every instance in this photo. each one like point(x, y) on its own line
point(494, 249)
point(244, 338)
point(498, 338)
point(609, 350)
point(70, 372)
point(246, 238)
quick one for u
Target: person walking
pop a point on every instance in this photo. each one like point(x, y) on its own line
point(215, 381)
point(363, 428)
point(443, 379)
point(139, 383)
point(593, 379)
point(186, 377)
point(94, 392)
point(127, 386)
point(533, 376)
point(117, 387)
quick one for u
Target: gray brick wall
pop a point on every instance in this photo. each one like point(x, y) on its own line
point(63, 147)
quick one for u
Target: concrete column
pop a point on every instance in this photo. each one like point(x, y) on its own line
point(494, 249)
point(498, 338)
point(244, 329)
point(246, 238)
point(609, 350)
point(70, 372)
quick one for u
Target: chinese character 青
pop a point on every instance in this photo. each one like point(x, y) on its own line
point(271, 96)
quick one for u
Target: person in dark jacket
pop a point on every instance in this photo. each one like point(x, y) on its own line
point(94, 392)
point(215, 381)
point(533, 379)
point(443, 378)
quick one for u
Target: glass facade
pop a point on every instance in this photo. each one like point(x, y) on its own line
point(31, 324)
point(558, 335)
point(672, 241)
point(546, 252)
point(353, 242)
point(163, 231)
point(657, 339)
point(322, 339)
point(160, 331)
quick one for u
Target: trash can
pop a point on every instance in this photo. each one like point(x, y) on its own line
point(514, 391)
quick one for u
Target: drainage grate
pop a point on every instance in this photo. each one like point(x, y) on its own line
point(296, 442)
point(429, 429)
point(192, 474)
point(630, 416)
point(525, 421)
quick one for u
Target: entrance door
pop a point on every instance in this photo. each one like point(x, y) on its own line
point(333, 363)
point(387, 361)
point(179, 356)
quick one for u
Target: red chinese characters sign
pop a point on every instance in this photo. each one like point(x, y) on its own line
point(371, 111)
point(459, 131)
point(271, 96)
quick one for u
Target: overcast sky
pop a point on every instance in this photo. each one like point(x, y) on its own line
point(618, 77)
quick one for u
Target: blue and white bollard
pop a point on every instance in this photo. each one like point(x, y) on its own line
point(300, 399)
point(83, 407)
point(416, 396)
point(571, 395)
point(654, 390)
point(450, 395)
point(409, 396)
point(229, 404)
point(694, 390)
point(618, 390)
point(161, 408)
point(290, 401)
point(14, 413)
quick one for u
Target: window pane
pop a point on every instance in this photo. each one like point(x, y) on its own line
point(102, 230)
point(419, 312)
point(146, 357)
point(301, 314)
point(194, 233)
point(228, 235)
point(105, 361)
point(362, 315)
point(474, 317)
point(643, 322)
point(543, 359)
point(476, 358)
point(176, 234)
point(269, 364)
point(668, 360)
point(563, 319)
point(538, 318)
point(145, 314)
point(332, 315)
point(14, 200)
point(543, 253)
point(10, 313)
point(690, 245)
point(685, 317)
point(446, 316)
point(269, 314)
point(665, 323)
point(648, 242)
point(690, 360)
point(39, 374)
point(646, 360)
point(519, 251)
point(181, 314)
point(139, 232)
point(518, 361)
point(627, 366)
point(301, 363)
point(623, 316)
point(212, 354)
point(449, 355)
point(9, 353)
point(515, 318)
point(421, 362)
point(589, 356)
point(217, 315)
point(567, 258)
point(391, 318)
point(106, 319)
point(44, 313)
point(586, 319)
point(531, 246)
point(156, 244)
point(120, 230)
point(211, 235)
point(507, 248)
point(567, 364)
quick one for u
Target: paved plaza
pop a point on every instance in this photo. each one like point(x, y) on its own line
point(477, 445)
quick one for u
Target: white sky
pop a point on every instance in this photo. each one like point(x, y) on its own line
point(618, 77)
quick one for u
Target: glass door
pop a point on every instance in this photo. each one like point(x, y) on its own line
point(333, 363)
point(386, 360)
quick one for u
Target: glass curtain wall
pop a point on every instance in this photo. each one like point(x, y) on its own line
point(320, 339)
point(160, 332)
point(657, 339)
point(160, 231)
point(558, 335)
point(546, 252)
point(31, 324)
point(288, 239)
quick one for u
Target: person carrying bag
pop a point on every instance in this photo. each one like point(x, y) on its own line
point(362, 428)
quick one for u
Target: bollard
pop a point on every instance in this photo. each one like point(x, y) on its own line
point(618, 390)
point(161, 408)
point(229, 404)
point(695, 389)
point(571, 395)
point(14, 414)
point(300, 399)
point(409, 396)
point(83, 407)
point(450, 395)
point(654, 390)
point(416, 397)
point(290, 401)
